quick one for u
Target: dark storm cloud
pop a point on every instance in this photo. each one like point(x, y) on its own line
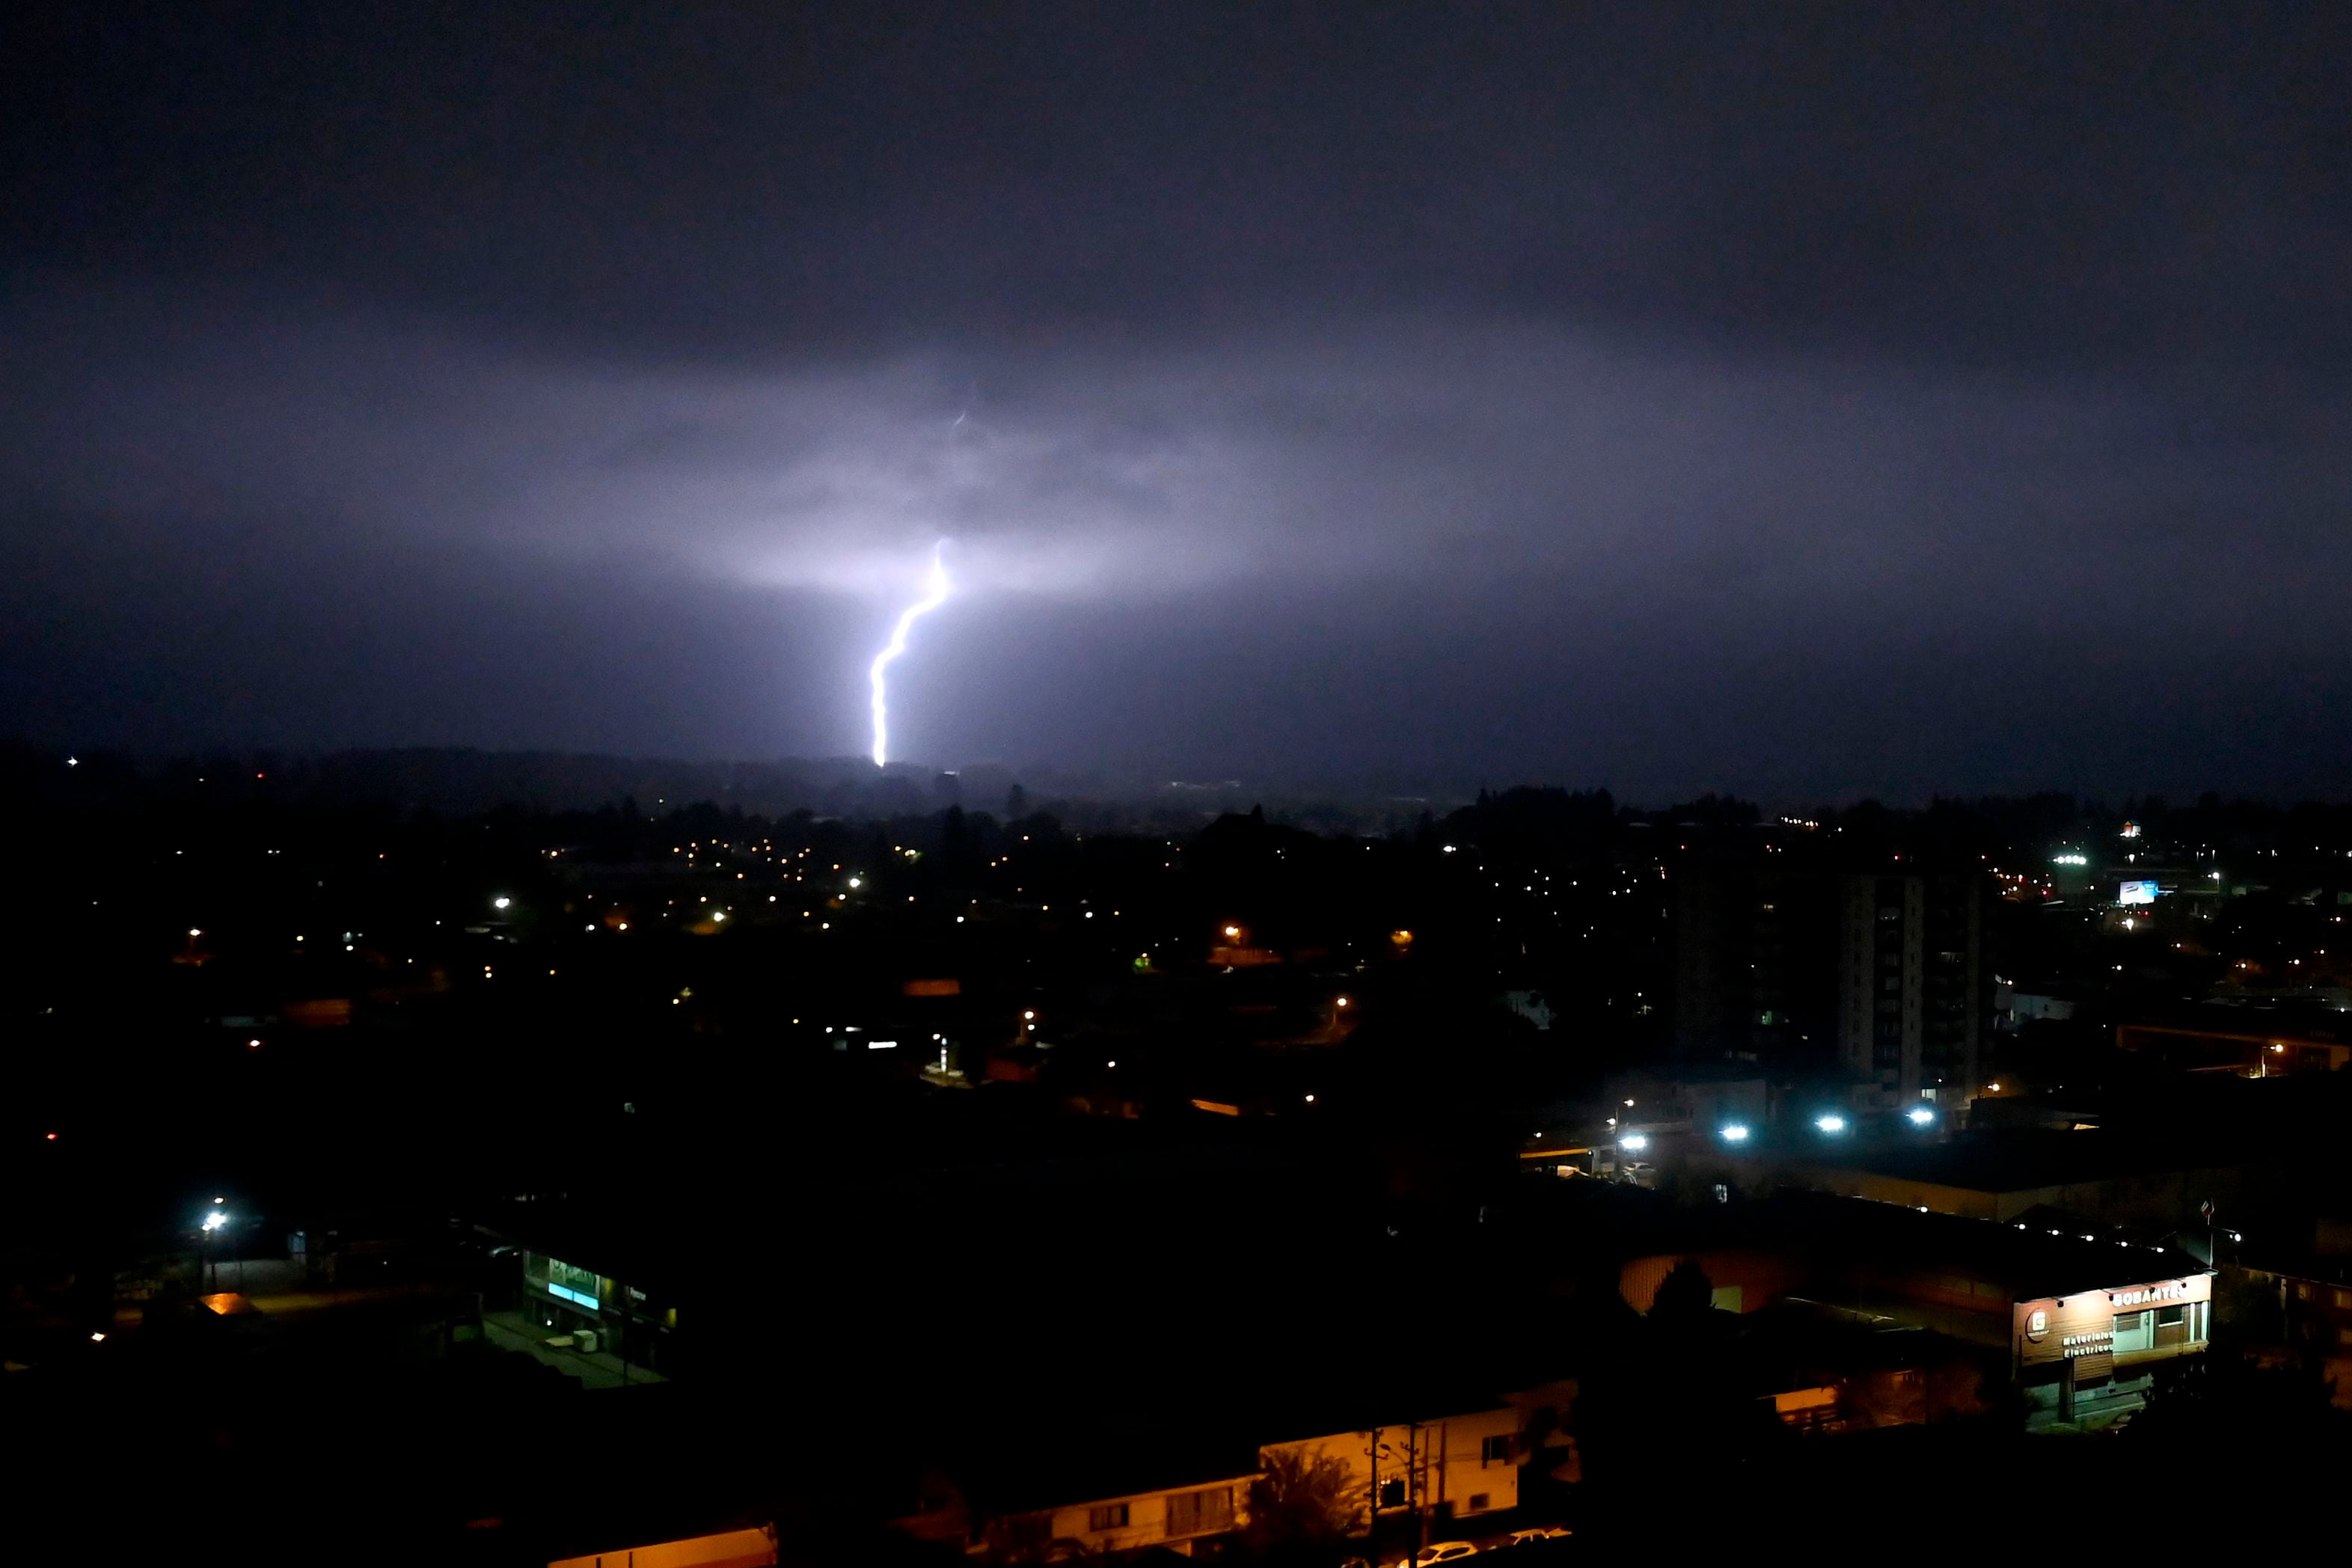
point(1673, 397)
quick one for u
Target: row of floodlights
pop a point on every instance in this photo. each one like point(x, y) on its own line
point(1831, 1123)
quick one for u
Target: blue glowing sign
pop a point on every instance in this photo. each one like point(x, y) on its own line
point(577, 1298)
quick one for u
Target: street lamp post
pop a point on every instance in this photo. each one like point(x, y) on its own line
point(212, 1225)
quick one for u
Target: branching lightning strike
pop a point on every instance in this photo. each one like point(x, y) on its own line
point(938, 588)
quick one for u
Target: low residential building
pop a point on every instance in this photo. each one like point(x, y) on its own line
point(752, 1548)
point(1070, 1497)
point(1174, 1518)
point(1451, 1467)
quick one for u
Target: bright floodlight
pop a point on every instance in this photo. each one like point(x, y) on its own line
point(937, 590)
point(1735, 1133)
point(214, 1220)
point(1832, 1123)
point(501, 901)
point(1920, 1115)
point(1636, 1141)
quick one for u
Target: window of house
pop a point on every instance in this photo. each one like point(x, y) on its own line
point(1393, 1493)
point(1478, 1503)
point(2133, 1332)
point(1109, 1516)
point(2342, 1298)
point(2303, 1292)
point(1194, 1513)
point(1495, 1450)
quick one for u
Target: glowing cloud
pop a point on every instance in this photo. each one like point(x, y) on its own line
point(937, 594)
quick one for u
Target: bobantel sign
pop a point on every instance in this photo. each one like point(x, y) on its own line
point(2071, 1328)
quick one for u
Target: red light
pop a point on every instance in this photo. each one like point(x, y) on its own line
point(261, 775)
point(52, 1137)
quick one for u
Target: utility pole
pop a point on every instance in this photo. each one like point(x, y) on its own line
point(1416, 1490)
point(1423, 1506)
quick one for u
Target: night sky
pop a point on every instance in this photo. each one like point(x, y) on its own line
point(1807, 401)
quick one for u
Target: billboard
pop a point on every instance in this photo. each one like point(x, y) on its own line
point(2137, 893)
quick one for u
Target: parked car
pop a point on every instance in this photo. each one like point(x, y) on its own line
point(1540, 1534)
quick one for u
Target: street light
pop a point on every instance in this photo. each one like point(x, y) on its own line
point(211, 1225)
point(1637, 1141)
point(1919, 1115)
point(1830, 1123)
point(1735, 1133)
point(502, 903)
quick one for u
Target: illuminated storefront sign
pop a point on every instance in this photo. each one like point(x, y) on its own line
point(2129, 1321)
point(568, 1282)
point(2148, 1294)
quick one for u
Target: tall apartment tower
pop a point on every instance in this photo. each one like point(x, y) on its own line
point(1755, 973)
point(1912, 1000)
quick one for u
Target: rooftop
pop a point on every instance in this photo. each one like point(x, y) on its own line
point(2005, 1160)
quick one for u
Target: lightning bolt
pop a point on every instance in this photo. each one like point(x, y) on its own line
point(936, 594)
